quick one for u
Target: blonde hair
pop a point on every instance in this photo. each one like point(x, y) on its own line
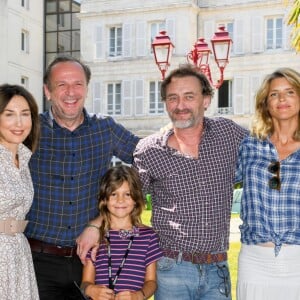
point(262, 124)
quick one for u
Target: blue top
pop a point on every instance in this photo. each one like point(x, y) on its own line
point(268, 215)
point(66, 170)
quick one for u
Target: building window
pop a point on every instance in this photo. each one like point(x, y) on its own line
point(156, 106)
point(25, 4)
point(229, 28)
point(62, 28)
point(225, 98)
point(155, 28)
point(115, 41)
point(25, 41)
point(274, 33)
point(114, 98)
point(24, 81)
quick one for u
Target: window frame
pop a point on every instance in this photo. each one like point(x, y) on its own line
point(114, 99)
point(115, 44)
point(25, 41)
point(155, 99)
point(272, 43)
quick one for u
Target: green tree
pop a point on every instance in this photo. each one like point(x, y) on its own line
point(293, 20)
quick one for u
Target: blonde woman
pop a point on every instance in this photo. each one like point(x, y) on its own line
point(269, 167)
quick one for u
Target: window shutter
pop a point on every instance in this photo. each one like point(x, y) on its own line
point(286, 34)
point(141, 39)
point(127, 97)
point(257, 35)
point(139, 97)
point(170, 28)
point(238, 42)
point(127, 34)
point(238, 97)
point(96, 97)
point(254, 85)
point(99, 52)
point(209, 31)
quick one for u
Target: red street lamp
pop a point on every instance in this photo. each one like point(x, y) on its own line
point(162, 49)
point(200, 54)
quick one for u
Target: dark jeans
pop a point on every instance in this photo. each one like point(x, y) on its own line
point(56, 275)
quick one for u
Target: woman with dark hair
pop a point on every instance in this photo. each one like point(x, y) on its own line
point(269, 168)
point(19, 133)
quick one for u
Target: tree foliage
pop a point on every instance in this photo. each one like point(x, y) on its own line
point(293, 20)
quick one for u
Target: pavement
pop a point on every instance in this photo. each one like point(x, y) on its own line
point(234, 230)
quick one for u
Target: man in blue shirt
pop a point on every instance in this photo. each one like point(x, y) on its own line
point(74, 152)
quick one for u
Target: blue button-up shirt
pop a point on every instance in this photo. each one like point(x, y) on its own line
point(268, 215)
point(66, 170)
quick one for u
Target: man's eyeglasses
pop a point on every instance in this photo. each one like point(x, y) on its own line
point(274, 182)
point(224, 287)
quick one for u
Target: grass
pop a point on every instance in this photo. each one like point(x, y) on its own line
point(232, 253)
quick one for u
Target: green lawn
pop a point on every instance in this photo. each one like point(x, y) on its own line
point(232, 254)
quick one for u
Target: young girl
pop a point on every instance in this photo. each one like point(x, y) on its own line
point(125, 265)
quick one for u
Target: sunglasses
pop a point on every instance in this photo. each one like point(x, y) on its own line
point(224, 287)
point(274, 182)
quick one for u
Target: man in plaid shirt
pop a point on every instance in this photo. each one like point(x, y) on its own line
point(189, 171)
point(74, 152)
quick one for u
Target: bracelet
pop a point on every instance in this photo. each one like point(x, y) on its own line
point(92, 225)
point(145, 298)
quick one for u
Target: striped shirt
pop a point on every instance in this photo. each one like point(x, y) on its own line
point(66, 170)
point(143, 252)
point(268, 215)
point(191, 198)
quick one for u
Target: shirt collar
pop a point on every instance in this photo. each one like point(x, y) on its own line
point(50, 118)
point(168, 133)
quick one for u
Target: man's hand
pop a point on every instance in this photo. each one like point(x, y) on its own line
point(89, 239)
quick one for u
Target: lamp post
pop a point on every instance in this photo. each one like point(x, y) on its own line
point(162, 49)
point(200, 54)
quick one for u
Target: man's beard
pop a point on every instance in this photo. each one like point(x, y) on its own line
point(182, 124)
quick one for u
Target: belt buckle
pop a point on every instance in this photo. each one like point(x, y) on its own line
point(70, 252)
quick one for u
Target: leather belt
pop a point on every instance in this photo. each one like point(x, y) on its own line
point(42, 247)
point(11, 226)
point(196, 257)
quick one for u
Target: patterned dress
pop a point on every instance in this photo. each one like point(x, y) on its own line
point(17, 277)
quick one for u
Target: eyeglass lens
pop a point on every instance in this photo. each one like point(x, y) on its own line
point(224, 286)
point(274, 182)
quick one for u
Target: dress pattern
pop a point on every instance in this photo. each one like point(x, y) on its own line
point(17, 277)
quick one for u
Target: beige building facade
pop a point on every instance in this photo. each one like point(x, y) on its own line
point(116, 41)
point(21, 50)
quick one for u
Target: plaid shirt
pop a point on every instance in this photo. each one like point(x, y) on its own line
point(268, 215)
point(66, 170)
point(191, 198)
